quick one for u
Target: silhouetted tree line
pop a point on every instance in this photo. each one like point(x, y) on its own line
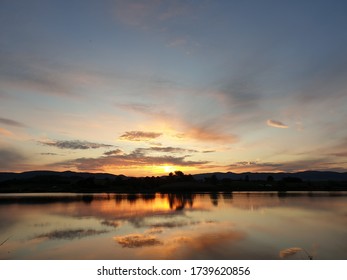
point(175, 182)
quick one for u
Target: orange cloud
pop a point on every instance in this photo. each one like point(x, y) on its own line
point(6, 132)
point(137, 240)
point(276, 124)
point(210, 134)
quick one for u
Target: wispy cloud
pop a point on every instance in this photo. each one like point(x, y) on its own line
point(10, 158)
point(208, 151)
point(111, 223)
point(71, 234)
point(277, 124)
point(35, 74)
point(113, 152)
point(212, 129)
point(174, 150)
point(139, 135)
point(209, 133)
point(6, 132)
point(145, 109)
point(178, 42)
point(11, 122)
point(49, 154)
point(322, 164)
point(74, 144)
point(149, 13)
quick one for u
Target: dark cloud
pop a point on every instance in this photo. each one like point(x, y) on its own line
point(277, 124)
point(139, 135)
point(111, 223)
point(74, 144)
point(319, 164)
point(340, 154)
point(71, 234)
point(11, 122)
point(49, 154)
point(113, 152)
point(172, 224)
point(244, 163)
point(254, 166)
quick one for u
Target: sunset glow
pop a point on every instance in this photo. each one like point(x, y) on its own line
point(145, 88)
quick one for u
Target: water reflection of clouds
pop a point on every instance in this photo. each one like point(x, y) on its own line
point(111, 223)
point(191, 243)
point(40, 225)
point(217, 244)
point(137, 240)
point(70, 234)
point(211, 240)
point(199, 231)
point(156, 230)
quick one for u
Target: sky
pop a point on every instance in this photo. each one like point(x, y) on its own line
point(144, 88)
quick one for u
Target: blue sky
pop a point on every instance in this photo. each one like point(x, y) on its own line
point(147, 87)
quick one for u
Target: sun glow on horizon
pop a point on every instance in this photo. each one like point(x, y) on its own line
point(168, 168)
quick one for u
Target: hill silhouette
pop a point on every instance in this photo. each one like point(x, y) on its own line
point(69, 181)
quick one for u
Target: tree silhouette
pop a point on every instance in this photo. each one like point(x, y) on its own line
point(179, 173)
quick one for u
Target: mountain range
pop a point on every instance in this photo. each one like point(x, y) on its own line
point(304, 176)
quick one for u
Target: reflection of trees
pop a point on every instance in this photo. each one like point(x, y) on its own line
point(227, 195)
point(180, 201)
point(148, 196)
point(132, 198)
point(118, 198)
point(214, 198)
point(87, 198)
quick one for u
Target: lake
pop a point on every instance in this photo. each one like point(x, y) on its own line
point(174, 226)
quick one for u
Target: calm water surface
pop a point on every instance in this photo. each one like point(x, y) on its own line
point(172, 226)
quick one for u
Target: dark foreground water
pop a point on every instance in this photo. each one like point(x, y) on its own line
point(173, 226)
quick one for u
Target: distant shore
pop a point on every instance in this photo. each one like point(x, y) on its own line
point(74, 182)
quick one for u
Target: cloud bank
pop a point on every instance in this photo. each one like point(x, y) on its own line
point(135, 159)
